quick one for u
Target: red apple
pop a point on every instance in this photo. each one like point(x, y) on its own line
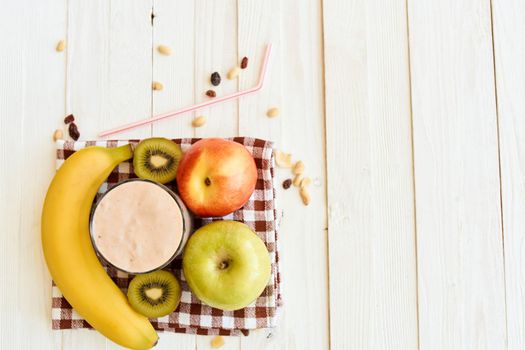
point(216, 177)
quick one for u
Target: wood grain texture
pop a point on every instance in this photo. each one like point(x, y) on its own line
point(255, 30)
point(465, 276)
point(216, 51)
point(258, 25)
point(108, 83)
point(215, 41)
point(31, 107)
point(460, 257)
point(109, 65)
point(370, 184)
point(509, 50)
point(173, 25)
point(294, 85)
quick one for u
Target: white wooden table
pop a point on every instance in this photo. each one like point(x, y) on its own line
point(410, 115)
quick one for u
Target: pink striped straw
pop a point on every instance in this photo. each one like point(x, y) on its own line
point(215, 101)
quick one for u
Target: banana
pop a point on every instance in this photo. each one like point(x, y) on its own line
point(69, 253)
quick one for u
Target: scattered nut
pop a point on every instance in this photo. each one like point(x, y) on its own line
point(157, 86)
point(217, 342)
point(244, 63)
point(287, 183)
point(211, 93)
point(305, 196)
point(283, 160)
point(298, 168)
point(297, 180)
point(163, 49)
point(273, 112)
point(215, 79)
point(60, 46)
point(305, 182)
point(233, 73)
point(73, 131)
point(198, 122)
point(58, 134)
point(70, 118)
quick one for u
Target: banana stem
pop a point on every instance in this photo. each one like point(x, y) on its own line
point(122, 153)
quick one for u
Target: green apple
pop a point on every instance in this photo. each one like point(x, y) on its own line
point(226, 265)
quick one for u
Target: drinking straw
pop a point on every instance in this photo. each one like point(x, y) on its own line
point(235, 95)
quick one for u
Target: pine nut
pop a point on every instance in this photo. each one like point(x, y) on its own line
point(198, 122)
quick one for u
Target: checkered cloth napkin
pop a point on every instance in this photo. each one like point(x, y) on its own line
point(192, 316)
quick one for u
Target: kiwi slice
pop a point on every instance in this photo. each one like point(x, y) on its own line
point(157, 159)
point(154, 294)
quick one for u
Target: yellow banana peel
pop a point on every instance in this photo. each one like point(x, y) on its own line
point(71, 258)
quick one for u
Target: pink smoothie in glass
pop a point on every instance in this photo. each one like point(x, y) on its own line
point(137, 226)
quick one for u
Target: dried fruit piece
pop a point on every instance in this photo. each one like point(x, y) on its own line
point(73, 131)
point(283, 160)
point(163, 49)
point(199, 121)
point(305, 182)
point(233, 73)
point(273, 112)
point(211, 93)
point(70, 118)
point(305, 196)
point(217, 342)
point(157, 86)
point(60, 46)
point(297, 180)
point(215, 79)
point(58, 134)
point(244, 63)
point(298, 168)
point(287, 183)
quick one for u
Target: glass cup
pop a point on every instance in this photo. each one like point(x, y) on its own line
point(187, 226)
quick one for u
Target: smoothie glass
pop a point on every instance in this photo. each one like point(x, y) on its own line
point(187, 226)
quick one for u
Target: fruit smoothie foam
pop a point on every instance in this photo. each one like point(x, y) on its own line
point(137, 226)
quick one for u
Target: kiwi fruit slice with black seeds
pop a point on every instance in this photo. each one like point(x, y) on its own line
point(157, 159)
point(154, 294)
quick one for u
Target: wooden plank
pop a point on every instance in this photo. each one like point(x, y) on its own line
point(109, 65)
point(216, 50)
point(258, 24)
point(460, 256)
point(509, 51)
point(12, 70)
point(370, 182)
point(109, 71)
point(31, 107)
point(185, 76)
point(294, 85)
point(173, 25)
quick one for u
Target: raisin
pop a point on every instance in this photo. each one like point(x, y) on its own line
point(73, 131)
point(211, 93)
point(215, 79)
point(287, 183)
point(244, 62)
point(69, 119)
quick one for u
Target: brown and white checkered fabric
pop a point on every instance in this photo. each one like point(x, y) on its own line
point(192, 316)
